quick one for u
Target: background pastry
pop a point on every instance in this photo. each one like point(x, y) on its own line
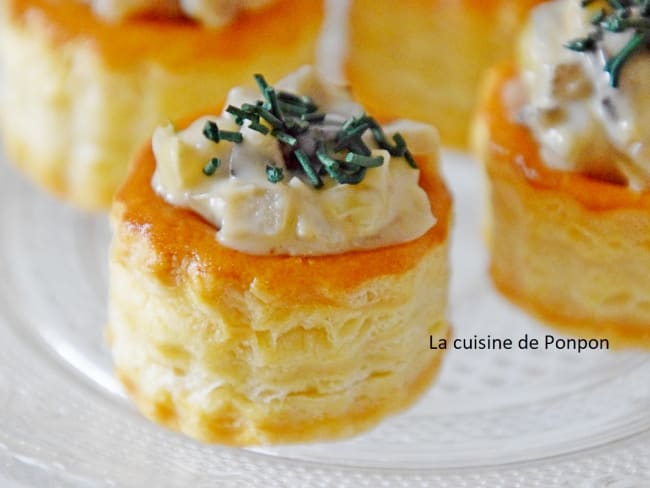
point(80, 91)
point(566, 145)
point(307, 315)
point(427, 56)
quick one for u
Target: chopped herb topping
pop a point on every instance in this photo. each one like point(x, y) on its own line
point(312, 146)
point(274, 174)
point(617, 16)
point(211, 131)
point(212, 166)
point(365, 161)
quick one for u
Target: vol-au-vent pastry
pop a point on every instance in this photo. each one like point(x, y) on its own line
point(277, 270)
point(428, 56)
point(565, 138)
point(83, 83)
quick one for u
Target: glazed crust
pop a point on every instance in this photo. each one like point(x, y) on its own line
point(80, 95)
point(295, 348)
point(571, 249)
point(436, 65)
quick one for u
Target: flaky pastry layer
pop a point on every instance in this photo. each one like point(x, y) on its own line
point(245, 349)
point(78, 95)
point(571, 249)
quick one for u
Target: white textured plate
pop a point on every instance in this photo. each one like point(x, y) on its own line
point(495, 418)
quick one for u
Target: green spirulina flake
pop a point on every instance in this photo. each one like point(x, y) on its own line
point(274, 174)
point(212, 166)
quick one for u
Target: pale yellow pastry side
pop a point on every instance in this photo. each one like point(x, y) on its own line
point(251, 349)
point(571, 249)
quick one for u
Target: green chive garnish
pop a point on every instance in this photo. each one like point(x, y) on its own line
point(261, 82)
point(259, 127)
point(331, 165)
point(284, 137)
point(400, 145)
point(230, 136)
point(211, 131)
point(298, 125)
point(619, 16)
point(344, 136)
point(306, 139)
point(304, 161)
point(410, 159)
point(353, 177)
point(359, 147)
point(275, 122)
point(272, 101)
point(313, 117)
point(238, 114)
point(212, 166)
point(599, 17)
point(365, 161)
point(614, 65)
point(274, 174)
point(304, 102)
point(293, 109)
point(581, 45)
point(249, 109)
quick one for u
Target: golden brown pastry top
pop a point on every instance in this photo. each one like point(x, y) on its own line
point(214, 13)
point(176, 43)
point(182, 239)
point(516, 141)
